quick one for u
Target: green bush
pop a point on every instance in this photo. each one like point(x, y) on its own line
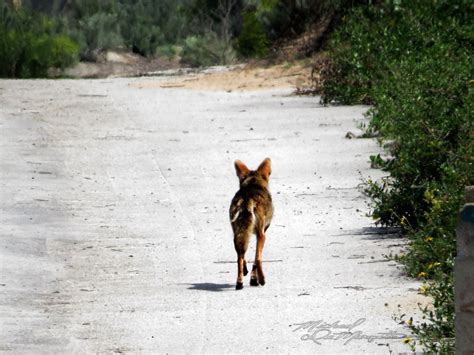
point(252, 41)
point(168, 51)
point(206, 50)
point(29, 46)
point(97, 33)
point(289, 18)
point(141, 26)
point(148, 27)
point(412, 61)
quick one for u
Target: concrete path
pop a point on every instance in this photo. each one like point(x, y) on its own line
point(114, 230)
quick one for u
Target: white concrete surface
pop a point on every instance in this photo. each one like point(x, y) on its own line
point(114, 230)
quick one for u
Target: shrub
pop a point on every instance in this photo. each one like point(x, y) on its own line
point(141, 26)
point(289, 18)
point(98, 32)
point(412, 60)
point(252, 41)
point(206, 50)
point(168, 51)
point(29, 46)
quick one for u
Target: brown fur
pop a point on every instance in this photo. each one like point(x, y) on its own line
point(251, 212)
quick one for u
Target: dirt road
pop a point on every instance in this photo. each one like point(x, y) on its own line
point(115, 235)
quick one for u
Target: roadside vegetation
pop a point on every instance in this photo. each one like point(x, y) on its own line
point(38, 34)
point(29, 44)
point(413, 61)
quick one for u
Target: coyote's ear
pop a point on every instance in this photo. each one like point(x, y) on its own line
point(265, 167)
point(241, 169)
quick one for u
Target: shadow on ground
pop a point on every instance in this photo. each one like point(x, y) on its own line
point(209, 286)
point(376, 233)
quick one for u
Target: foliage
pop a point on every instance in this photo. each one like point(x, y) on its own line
point(29, 46)
point(252, 41)
point(412, 60)
point(141, 26)
point(94, 33)
point(287, 18)
point(167, 51)
point(222, 17)
point(148, 27)
point(436, 332)
point(206, 50)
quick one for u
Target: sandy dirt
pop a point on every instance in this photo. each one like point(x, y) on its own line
point(242, 78)
point(115, 235)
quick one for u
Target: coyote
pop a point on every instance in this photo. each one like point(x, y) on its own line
point(251, 212)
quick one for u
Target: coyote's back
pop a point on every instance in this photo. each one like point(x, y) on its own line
point(251, 212)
